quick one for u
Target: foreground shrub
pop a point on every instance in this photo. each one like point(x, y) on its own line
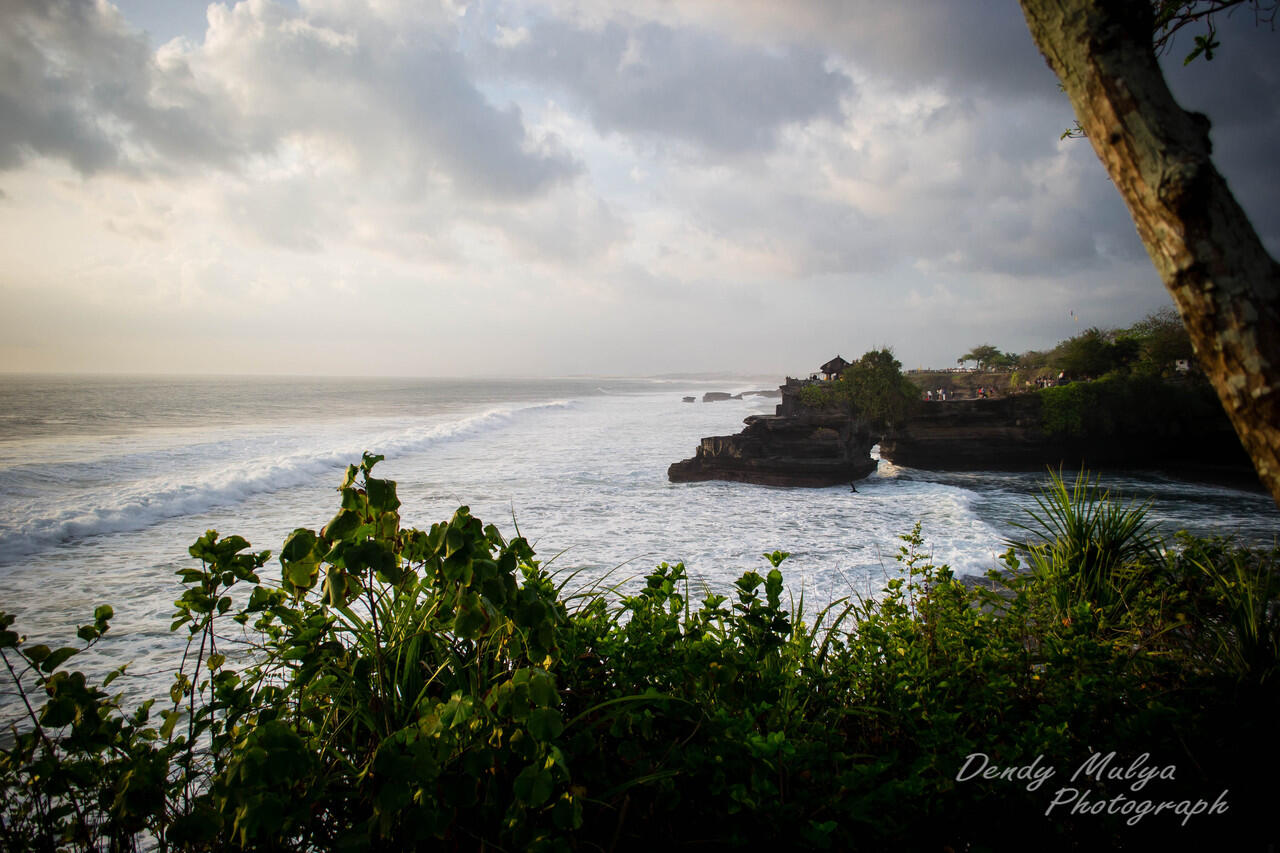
point(407, 689)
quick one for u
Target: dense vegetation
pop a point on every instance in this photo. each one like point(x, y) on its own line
point(1149, 347)
point(872, 388)
point(397, 688)
point(1127, 405)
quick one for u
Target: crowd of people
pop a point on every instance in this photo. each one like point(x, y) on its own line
point(987, 392)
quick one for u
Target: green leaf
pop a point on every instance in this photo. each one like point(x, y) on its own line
point(542, 690)
point(300, 560)
point(170, 720)
point(382, 494)
point(533, 786)
point(338, 587)
point(113, 675)
point(54, 660)
point(369, 460)
point(350, 477)
point(545, 724)
point(300, 576)
point(342, 525)
point(471, 619)
point(372, 555)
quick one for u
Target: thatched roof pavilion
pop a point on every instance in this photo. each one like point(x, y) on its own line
point(834, 367)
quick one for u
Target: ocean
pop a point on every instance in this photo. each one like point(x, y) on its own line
point(105, 482)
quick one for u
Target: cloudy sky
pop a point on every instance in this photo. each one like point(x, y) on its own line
point(565, 186)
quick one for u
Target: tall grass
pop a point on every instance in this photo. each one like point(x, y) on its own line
point(1086, 547)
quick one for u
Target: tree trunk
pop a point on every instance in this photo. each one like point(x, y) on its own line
point(1225, 285)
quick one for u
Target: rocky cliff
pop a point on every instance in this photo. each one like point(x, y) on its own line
point(794, 447)
point(1148, 426)
point(1010, 434)
point(777, 450)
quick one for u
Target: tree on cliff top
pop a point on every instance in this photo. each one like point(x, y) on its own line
point(1163, 341)
point(1224, 283)
point(1087, 355)
point(984, 355)
point(872, 387)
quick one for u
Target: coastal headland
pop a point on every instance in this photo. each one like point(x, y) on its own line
point(796, 446)
point(1165, 427)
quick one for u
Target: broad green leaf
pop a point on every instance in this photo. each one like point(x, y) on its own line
point(350, 477)
point(471, 619)
point(533, 786)
point(300, 575)
point(545, 724)
point(113, 675)
point(55, 660)
point(170, 720)
point(382, 494)
point(542, 691)
point(342, 525)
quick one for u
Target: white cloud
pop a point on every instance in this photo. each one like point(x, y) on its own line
point(566, 185)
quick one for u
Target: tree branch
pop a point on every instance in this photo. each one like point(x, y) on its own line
point(1224, 283)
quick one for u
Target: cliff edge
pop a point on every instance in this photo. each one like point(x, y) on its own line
point(795, 447)
point(1023, 432)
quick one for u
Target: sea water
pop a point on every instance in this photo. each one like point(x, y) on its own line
point(105, 482)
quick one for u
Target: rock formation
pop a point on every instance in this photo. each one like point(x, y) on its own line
point(1007, 434)
point(795, 447)
point(799, 446)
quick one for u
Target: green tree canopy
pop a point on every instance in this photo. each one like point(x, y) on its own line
point(1149, 347)
point(1089, 354)
point(1163, 340)
point(873, 388)
point(984, 355)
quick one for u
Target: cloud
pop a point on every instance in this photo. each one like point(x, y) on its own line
point(81, 86)
point(78, 84)
point(1239, 90)
point(981, 45)
point(685, 85)
point(655, 186)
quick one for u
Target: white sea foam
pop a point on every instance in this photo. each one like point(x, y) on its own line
point(74, 501)
point(91, 514)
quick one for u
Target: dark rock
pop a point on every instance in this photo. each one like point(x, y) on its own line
point(715, 396)
point(690, 399)
point(808, 450)
point(1005, 434)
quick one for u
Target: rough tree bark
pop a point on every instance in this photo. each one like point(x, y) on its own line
point(1224, 283)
